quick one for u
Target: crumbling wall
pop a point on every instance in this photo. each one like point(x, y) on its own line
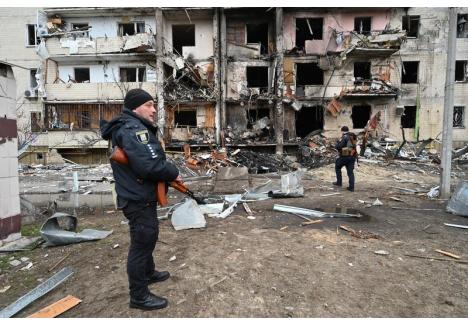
point(341, 21)
point(237, 78)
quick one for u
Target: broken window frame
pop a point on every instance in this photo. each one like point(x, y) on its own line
point(309, 26)
point(407, 20)
point(459, 116)
point(185, 110)
point(176, 51)
point(368, 67)
point(360, 107)
point(358, 30)
point(299, 82)
point(404, 73)
point(84, 80)
point(32, 79)
point(408, 119)
point(29, 37)
point(138, 74)
point(462, 27)
point(249, 85)
point(263, 47)
point(138, 27)
point(35, 121)
point(83, 33)
point(462, 71)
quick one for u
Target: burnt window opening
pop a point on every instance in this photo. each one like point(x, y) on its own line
point(256, 114)
point(185, 118)
point(257, 76)
point(409, 74)
point(309, 119)
point(133, 74)
point(127, 29)
point(360, 115)
point(308, 29)
point(362, 25)
point(85, 119)
point(36, 121)
point(82, 75)
point(182, 35)
point(458, 116)
point(32, 79)
point(168, 71)
point(462, 26)
point(39, 156)
point(80, 26)
point(362, 70)
point(408, 118)
point(410, 24)
point(32, 38)
point(461, 72)
point(308, 74)
point(258, 33)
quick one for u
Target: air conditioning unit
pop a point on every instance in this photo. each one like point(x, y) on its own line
point(400, 110)
point(31, 93)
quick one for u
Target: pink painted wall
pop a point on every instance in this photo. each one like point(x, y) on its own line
point(341, 22)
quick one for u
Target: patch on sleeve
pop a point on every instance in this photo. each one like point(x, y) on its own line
point(142, 136)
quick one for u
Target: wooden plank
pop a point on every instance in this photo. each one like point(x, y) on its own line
point(312, 222)
point(446, 253)
point(56, 308)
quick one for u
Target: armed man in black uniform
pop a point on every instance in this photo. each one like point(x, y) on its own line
point(346, 147)
point(136, 133)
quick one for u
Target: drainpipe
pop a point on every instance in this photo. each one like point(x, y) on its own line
point(217, 74)
point(161, 113)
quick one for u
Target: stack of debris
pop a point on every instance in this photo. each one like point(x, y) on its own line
point(188, 81)
point(317, 152)
point(261, 131)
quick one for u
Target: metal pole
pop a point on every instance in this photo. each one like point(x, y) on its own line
point(446, 159)
point(217, 74)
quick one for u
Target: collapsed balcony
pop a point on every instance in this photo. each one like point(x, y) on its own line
point(187, 81)
point(368, 88)
point(375, 44)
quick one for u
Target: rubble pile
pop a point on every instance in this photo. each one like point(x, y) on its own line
point(261, 131)
point(318, 152)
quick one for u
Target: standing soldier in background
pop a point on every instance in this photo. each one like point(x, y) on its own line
point(135, 132)
point(346, 147)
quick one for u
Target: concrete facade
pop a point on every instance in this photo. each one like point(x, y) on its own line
point(227, 77)
point(10, 218)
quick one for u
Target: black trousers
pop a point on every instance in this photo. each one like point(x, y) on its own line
point(144, 231)
point(348, 162)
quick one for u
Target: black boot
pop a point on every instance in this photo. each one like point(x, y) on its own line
point(337, 184)
point(148, 302)
point(350, 189)
point(158, 277)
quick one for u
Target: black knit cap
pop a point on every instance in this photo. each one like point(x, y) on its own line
point(344, 128)
point(136, 97)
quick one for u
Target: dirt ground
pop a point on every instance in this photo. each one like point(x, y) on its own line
point(272, 266)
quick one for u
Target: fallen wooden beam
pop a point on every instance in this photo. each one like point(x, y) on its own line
point(312, 222)
point(437, 258)
point(56, 308)
point(446, 253)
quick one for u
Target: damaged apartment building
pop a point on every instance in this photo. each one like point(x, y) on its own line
point(231, 76)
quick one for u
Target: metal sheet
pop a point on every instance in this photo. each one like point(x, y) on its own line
point(56, 236)
point(36, 293)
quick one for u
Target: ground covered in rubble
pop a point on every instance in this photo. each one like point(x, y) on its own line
point(271, 266)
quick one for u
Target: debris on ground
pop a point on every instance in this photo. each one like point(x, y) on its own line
point(36, 293)
point(56, 308)
point(359, 234)
point(458, 203)
point(381, 252)
point(60, 229)
point(188, 216)
point(446, 253)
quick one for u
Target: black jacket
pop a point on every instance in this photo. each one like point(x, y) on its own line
point(343, 142)
point(147, 162)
